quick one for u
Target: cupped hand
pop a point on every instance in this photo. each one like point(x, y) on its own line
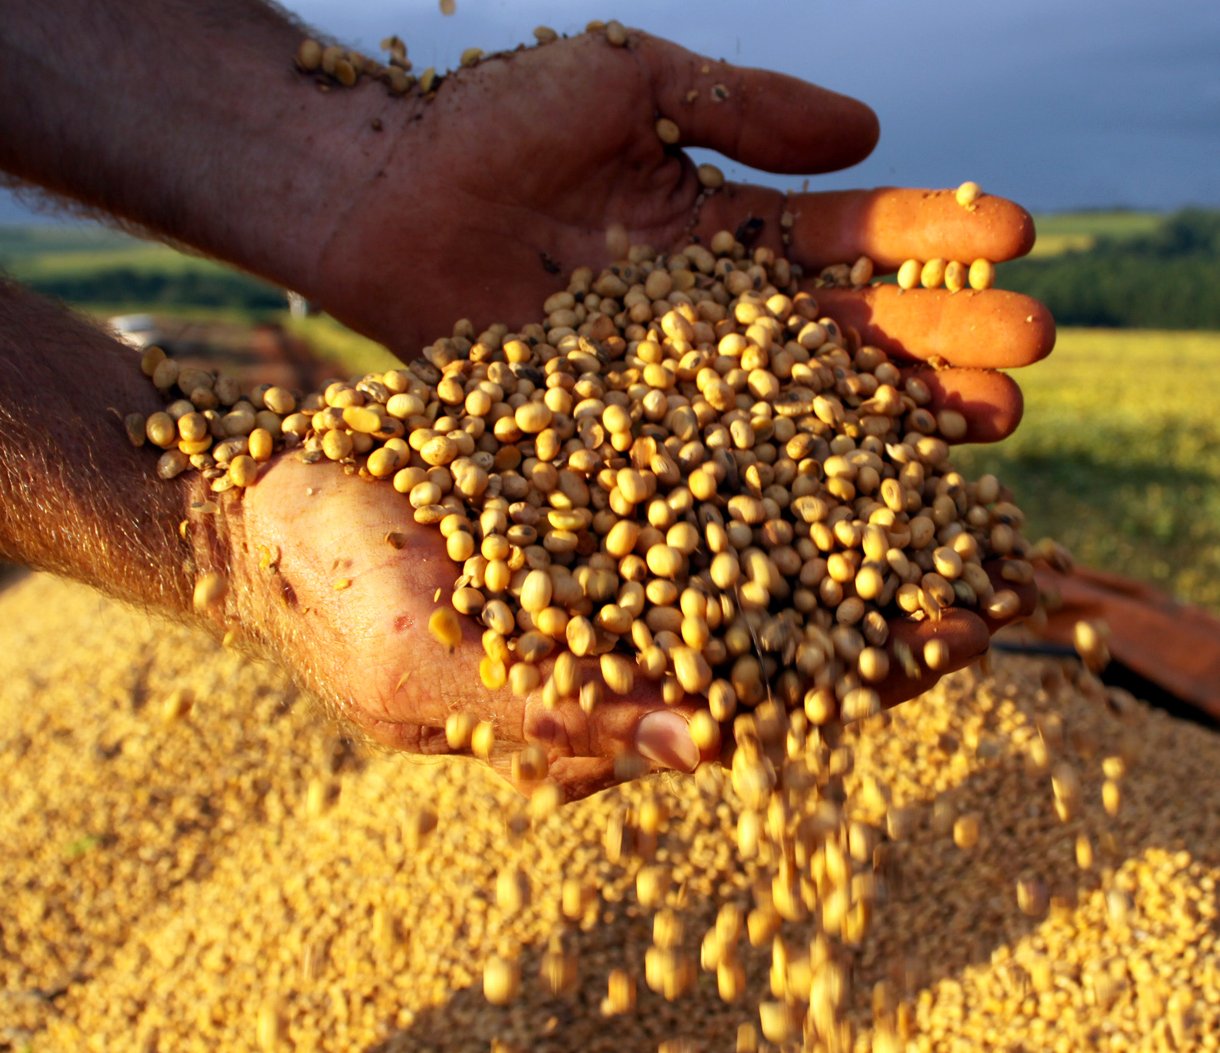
point(342, 583)
point(496, 188)
point(511, 176)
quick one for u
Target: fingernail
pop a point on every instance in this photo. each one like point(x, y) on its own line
point(664, 739)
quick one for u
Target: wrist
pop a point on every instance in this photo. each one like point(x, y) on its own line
point(365, 240)
point(233, 582)
point(323, 154)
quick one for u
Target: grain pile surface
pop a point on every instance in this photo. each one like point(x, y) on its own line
point(193, 859)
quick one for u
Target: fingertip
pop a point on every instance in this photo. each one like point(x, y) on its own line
point(991, 402)
point(663, 737)
point(870, 128)
point(1038, 338)
point(1009, 418)
point(964, 633)
point(1027, 235)
point(1022, 328)
point(847, 112)
point(1009, 228)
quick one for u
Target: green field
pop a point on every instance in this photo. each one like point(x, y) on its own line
point(105, 272)
point(28, 253)
point(1064, 231)
point(1119, 455)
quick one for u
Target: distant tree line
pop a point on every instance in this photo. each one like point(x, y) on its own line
point(1166, 279)
point(152, 289)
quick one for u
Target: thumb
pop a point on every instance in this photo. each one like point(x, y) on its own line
point(763, 119)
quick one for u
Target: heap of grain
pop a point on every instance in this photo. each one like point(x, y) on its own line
point(686, 472)
point(634, 904)
point(229, 875)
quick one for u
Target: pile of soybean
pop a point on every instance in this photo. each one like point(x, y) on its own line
point(194, 861)
point(685, 471)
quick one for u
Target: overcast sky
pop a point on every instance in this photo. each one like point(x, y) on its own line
point(1059, 104)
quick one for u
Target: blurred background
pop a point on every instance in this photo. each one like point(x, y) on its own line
point(1102, 118)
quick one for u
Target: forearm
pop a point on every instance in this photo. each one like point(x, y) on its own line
point(186, 119)
point(76, 497)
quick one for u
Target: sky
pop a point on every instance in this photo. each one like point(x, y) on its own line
point(1059, 104)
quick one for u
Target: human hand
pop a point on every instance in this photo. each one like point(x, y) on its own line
point(347, 612)
point(511, 176)
point(338, 583)
point(503, 181)
point(482, 197)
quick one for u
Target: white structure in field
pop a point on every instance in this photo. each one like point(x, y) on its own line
point(138, 330)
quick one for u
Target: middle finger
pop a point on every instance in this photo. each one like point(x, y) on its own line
point(991, 329)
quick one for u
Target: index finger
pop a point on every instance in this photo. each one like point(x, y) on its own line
point(892, 224)
point(761, 118)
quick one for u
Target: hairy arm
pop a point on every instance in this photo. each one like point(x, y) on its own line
point(181, 118)
point(400, 215)
point(76, 497)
